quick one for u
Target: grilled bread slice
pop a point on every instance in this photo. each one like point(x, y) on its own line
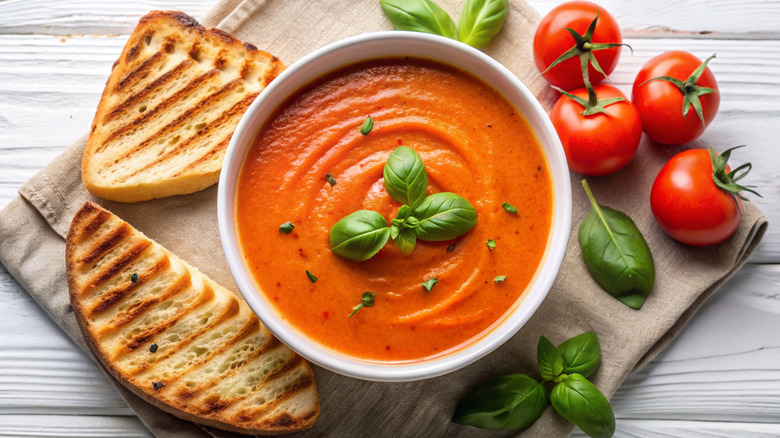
point(176, 338)
point(170, 106)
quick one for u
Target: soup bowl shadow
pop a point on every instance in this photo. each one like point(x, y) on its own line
point(387, 45)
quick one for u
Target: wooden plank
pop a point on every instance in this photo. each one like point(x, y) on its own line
point(758, 18)
point(85, 17)
point(69, 426)
point(692, 18)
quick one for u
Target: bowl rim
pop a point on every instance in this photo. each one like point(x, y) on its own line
point(274, 95)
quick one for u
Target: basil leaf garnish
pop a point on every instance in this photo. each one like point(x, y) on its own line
point(581, 402)
point(444, 216)
point(406, 180)
point(360, 235)
point(367, 126)
point(286, 227)
point(581, 354)
point(616, 254)
point(513, 401)
point(428, 284)
point(419, 16)
point(406, 241)
point(499, 279)
point(481, 20)
point(549, 359)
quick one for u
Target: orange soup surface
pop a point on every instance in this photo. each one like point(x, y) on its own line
point(472, 142)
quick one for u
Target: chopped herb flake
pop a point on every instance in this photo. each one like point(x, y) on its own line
point(428, 284)
point(311, 276)
point(286, 227)
point(134, 278)
point(499, 279)
point(329, 178)
point(490, 244)
point(367, 300)
point(451, 248)
point(509, 207)
point(368, 124)
point(153, 348)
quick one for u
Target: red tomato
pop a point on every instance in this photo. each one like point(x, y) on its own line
point(660, 103)
point(552, 40)
point(597, 144)
point(688, 205)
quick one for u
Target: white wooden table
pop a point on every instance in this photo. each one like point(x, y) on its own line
point(720, 377)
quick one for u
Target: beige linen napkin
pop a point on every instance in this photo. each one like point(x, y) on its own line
point(32, 228)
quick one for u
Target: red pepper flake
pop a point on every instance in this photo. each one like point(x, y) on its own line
point(325, 314)
point(400, 142)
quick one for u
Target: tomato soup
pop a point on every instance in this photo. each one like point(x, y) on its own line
point(472, 141)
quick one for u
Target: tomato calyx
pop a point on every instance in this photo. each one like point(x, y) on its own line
point(584, 48)
point(690, 91)
point(593, 105)
point(727, 181)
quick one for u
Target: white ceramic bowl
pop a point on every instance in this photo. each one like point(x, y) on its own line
point(383, 45)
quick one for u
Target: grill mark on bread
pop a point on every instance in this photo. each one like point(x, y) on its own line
point(116, 266)
point(137, 309)
point(151, 331)
point(117, 294)
point(97, 220)
point(188, 392)
point(297, 386)
point(230, 311)
point(179, 95)
point(194, 141)
point(157, 83)
point(183, 118)
point(141, 71)
point(112, 239)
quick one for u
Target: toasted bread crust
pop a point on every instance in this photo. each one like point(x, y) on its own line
point(170, 106)
point(216, 363)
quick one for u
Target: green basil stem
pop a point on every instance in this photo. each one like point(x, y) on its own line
point(367, 300)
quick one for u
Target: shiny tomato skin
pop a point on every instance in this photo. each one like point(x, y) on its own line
point(660, 102)
point(597, 144)
point(688, 205)
point(552, 40)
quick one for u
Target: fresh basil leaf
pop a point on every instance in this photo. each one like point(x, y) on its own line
point(367, 126)
point(581, 402)
point(444, 216)
point(286, 227)
point(419, 16)
point(549, 359)
point(513, 401)
point(581, 354)
point(509, 207)
point(406, 241)
point(360, 235)
point(406, 180)
point(428, 284)
point(481, 20)
point(616, 254)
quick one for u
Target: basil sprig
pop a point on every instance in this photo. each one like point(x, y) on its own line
point(480, 20)
point(441, 216)
point(515, 401)
point(616, 253)
point(360, 235)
